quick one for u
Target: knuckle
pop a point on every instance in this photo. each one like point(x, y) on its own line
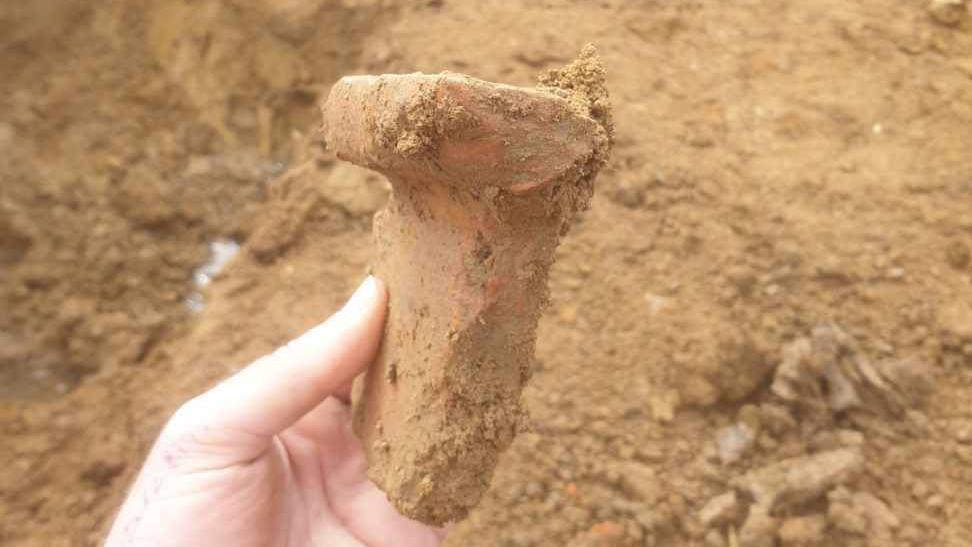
point(179, 443)
point(185, 420)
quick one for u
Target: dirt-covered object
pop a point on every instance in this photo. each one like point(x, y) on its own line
point(486, 178)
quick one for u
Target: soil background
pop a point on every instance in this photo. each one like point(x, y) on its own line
point(789, 205)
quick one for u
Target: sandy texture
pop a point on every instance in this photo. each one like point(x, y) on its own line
point(789, 186)
point(485, 179)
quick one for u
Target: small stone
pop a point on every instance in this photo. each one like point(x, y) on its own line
point(798, 480)
point(842, 393)
point(900, 383)
point(800, 531)
point(733, 442)
point(720, 510)
point(663, 405)
point(792, 374)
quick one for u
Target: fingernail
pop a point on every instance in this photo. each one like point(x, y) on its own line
point(363, 297)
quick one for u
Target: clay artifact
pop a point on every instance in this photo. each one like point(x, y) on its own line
point(486, 178)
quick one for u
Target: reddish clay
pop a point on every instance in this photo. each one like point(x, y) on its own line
point(485, 178)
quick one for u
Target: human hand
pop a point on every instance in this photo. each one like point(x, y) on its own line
point(267, 458)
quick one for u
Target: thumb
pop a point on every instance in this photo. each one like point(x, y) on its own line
point(276, 390)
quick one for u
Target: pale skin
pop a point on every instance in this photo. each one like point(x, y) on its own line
point(268, 458)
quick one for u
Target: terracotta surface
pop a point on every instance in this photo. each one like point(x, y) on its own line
point(486, 178)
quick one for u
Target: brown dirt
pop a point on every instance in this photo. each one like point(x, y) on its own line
point(781, 171)
point(486, 179)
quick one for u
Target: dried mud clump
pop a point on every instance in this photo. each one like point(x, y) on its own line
point(422, 123)
point(583, 84)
